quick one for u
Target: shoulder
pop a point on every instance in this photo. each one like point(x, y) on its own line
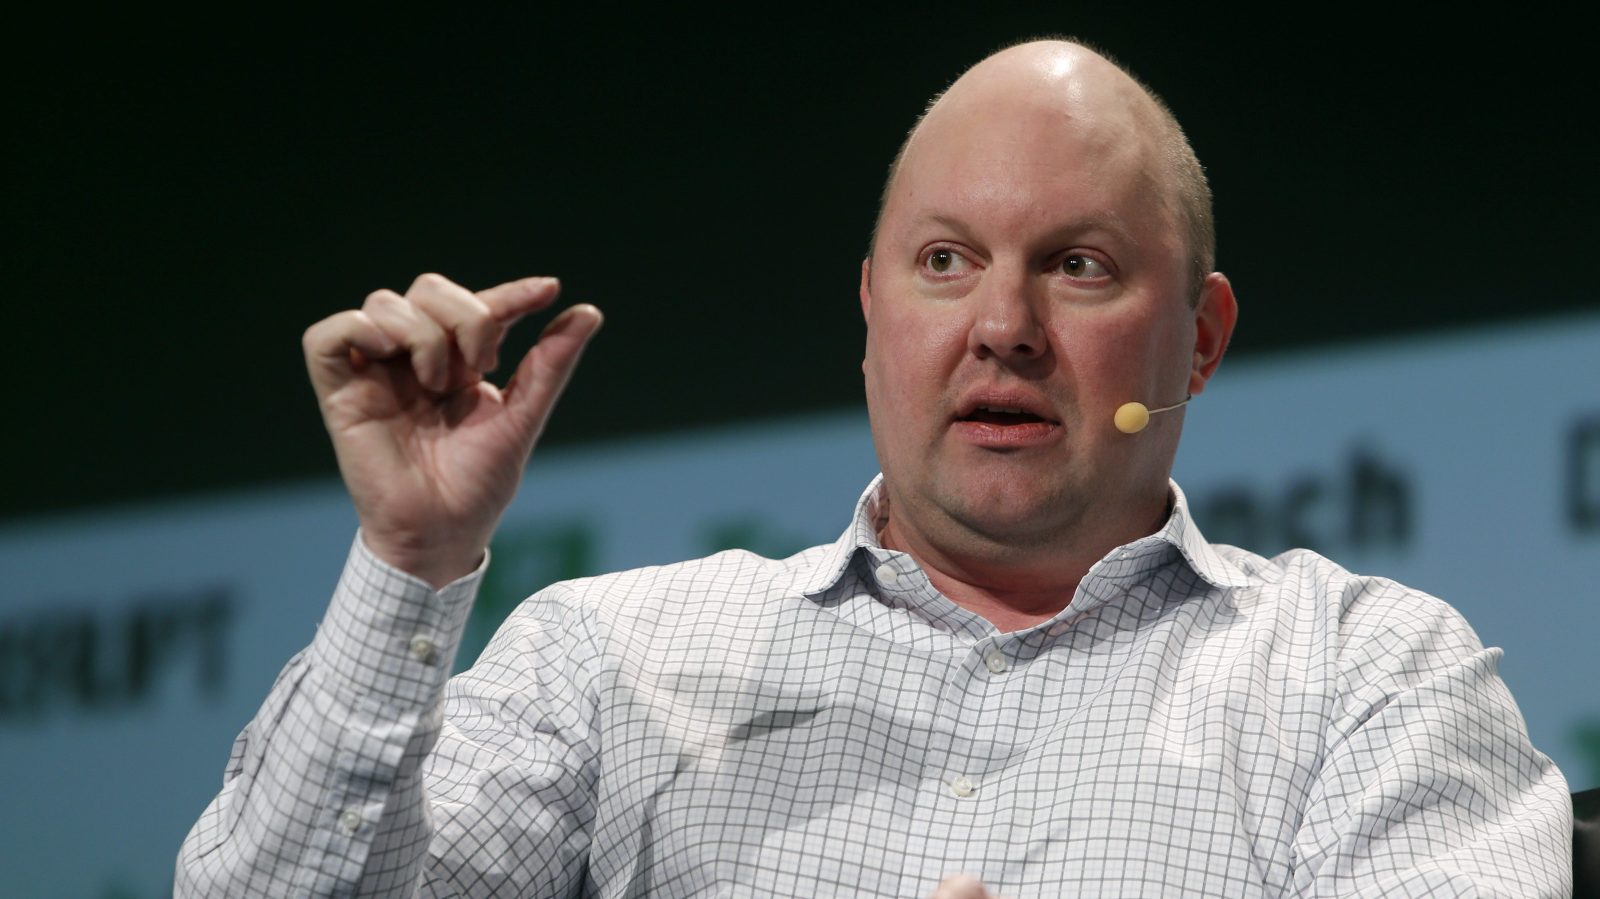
point(713, 583)
point(1360, 600)
point(725, 597)
point(1374, 624)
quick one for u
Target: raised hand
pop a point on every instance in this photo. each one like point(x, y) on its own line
point(431, 452)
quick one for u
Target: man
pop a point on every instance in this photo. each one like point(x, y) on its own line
point(1021, 662)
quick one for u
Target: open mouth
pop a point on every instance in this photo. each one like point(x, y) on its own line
point(1002, 415)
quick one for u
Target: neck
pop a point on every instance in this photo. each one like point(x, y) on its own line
point(1013, 588)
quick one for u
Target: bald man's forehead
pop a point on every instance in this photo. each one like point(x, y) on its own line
point(1040, 119)
point(1024, 142)
point(1028, 177)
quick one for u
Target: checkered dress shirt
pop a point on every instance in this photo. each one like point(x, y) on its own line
point(1199, 721)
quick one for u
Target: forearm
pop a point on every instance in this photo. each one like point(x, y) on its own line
point(322, 794)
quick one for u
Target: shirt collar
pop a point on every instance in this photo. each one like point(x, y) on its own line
point(862, 533)
point(1179, 535)
point(1132, 560)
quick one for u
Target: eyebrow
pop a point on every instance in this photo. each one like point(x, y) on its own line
point(1111, 224)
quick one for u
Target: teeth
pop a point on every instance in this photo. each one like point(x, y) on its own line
point(1000, 409)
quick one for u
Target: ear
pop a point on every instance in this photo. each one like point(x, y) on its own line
point(1214, 317)
point(866, 288)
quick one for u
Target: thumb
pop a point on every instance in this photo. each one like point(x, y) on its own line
point(544, 371)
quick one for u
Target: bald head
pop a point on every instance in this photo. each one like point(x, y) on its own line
point(1045, 81)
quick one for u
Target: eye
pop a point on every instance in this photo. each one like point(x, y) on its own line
point(943, 261)
point(1083, 268)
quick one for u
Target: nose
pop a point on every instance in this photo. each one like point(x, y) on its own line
point(1006, 324)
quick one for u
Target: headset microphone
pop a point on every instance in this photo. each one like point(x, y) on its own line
point(1131, 418)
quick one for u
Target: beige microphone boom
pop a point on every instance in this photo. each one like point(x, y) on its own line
point(1131, 418)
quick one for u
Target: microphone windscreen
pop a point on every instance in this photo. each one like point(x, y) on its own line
point(1131, 418)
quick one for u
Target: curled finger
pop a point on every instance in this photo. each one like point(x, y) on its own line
point(476, 331)
point(328, 344)
point(423, 337)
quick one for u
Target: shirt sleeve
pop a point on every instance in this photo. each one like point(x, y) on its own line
point(322, 793)
point(512, 781)
point(1429, 785)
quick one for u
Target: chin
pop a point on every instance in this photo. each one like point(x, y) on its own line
point(1014, 509)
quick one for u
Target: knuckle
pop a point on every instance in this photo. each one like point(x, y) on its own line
point(429, 281)
point(321, 328)
point(379, 299)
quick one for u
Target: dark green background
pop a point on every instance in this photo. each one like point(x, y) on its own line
point(185, 192)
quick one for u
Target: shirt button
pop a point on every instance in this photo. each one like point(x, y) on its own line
point(961, 786)
point(995, 662)
point(422, 648)
point(350, 821)
point(887, 575)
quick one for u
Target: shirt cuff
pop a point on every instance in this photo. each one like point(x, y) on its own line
point(389, 636)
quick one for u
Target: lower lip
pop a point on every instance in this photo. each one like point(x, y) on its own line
point(1006, 436)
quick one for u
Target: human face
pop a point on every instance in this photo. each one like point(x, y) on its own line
point(1030, 260)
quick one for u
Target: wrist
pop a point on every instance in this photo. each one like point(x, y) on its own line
point(437, 564)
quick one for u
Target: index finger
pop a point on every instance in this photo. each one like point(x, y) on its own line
point(514, 299)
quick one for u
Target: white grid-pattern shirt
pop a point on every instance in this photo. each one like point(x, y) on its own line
point(1199, 721)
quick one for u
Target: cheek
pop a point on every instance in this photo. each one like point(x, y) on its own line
point(1120, 354)
point(891, 389)
point(910, 357)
